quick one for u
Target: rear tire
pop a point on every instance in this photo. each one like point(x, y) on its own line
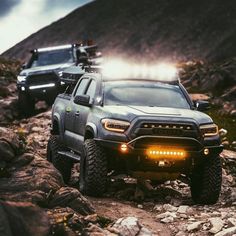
point(93, 169)
point(26, 104)
point(63, 164)
point(206, 181)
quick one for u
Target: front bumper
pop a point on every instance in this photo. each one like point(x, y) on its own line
point(137, 158)
point(42, 91)
point(192, 146)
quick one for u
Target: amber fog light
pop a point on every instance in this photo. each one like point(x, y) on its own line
point(160, 153)
point(124, 148)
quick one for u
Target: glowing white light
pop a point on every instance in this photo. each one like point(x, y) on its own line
point(54, 48)
point(166, 72)
point(42, 86)
point(116, 69)
point(121, 69)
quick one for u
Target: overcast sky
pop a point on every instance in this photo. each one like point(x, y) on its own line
point(20, 18)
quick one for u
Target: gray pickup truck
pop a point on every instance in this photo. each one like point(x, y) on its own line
point(40, 78)
point(142, 127)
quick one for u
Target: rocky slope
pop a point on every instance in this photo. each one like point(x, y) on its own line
point(153, 29)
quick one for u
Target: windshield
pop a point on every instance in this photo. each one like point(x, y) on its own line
point(53, 57)
point(144, 93)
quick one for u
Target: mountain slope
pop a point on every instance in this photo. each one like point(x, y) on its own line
point(171, 29)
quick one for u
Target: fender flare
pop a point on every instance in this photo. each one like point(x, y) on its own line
point(91, 127)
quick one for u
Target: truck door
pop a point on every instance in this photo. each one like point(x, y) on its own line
point(70, 113)
point(81, 116)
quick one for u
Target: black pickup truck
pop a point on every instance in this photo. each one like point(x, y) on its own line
point(40, 78)
point(143, 127)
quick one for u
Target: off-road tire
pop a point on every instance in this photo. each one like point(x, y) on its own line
point(206, 181)
point(93, 169)
point(63, 164)
point(26, 104)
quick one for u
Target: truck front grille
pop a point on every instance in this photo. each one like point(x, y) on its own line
point(46, 78)
point(166, 129)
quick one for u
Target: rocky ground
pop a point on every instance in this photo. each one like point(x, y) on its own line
point(128, 207)
point(32, 190)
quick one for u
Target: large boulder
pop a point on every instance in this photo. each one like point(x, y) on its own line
point(25, 177)
point(71, 197)
point(30, 178)
point(23, 219)
point(10, 144)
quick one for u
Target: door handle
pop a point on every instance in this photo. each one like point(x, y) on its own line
point(77, 113)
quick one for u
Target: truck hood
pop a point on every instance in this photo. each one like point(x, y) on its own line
point(132, 112)
point(45, 69)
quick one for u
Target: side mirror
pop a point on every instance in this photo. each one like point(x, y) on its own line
point(83, 100)
point(23, 66)
point(202, 105)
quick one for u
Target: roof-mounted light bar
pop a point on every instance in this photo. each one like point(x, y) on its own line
point(54, 48)
point(120, 69)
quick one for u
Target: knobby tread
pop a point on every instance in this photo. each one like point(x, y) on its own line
point(206, 181)
point(95, 169)
point(61, 163)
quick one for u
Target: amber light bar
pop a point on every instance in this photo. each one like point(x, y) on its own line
point(158, 153)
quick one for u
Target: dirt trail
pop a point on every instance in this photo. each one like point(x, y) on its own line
point(113, 209)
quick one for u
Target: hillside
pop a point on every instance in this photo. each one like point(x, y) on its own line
point(150, 29)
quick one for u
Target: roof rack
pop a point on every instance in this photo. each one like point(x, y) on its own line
point(72, 74)
point(92, 69)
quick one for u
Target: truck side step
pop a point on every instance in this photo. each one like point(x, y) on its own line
point(69, 154)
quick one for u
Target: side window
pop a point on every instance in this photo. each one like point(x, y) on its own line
point(82, 86)
point(91, 90)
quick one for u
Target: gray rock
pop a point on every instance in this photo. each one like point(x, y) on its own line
point(166, 214)
point(129, 226)
point(157, 208)
point(180, 233)
point(194, 226)
point(217, 225)
point(231, 221)
point(168, 219)
point(227, 232)
point(145, 232)
point(182, 209)
point(168, 207)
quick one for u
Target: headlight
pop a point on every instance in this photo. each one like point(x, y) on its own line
point(21, 78)
point(115, 125)
point(60, 73)
point(209, 130)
